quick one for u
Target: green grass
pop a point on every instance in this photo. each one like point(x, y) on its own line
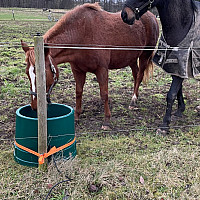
point(114, 164)
point(128, 162)
point(23, 14)
point(29, 14)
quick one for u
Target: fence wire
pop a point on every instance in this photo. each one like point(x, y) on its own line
point(98, 47)
point(109, 132)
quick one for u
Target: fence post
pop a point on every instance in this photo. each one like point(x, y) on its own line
point(41, 98)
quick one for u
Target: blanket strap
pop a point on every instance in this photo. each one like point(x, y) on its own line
point(171, 61)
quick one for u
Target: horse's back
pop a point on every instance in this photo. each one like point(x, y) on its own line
point(143, 33)
point(104, 28)
point(92, 25)
point(112, 26)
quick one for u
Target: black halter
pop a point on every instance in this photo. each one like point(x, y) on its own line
point(53, 70)
point(138, 9)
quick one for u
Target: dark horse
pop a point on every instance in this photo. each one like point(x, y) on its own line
point(89, 26)
point(178, 18)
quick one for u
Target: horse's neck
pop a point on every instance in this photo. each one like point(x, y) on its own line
point(176, 18)
point(68, 30)
point(59, 54)
point(55, 53)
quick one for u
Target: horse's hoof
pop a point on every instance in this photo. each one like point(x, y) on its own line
point(198, 110)
point(133, 108)
point(106, 128)
point(162, 132)
point(76, 118)
point(178, 114)
point(76, 121)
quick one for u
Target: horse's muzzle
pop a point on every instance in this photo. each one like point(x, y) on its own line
point(34, 105)
point(34, 101)
point(126, 19)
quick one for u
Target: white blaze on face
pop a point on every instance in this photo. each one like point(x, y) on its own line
point(32, 77)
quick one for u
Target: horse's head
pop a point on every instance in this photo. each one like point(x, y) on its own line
point(134, 9)
point(51, 70)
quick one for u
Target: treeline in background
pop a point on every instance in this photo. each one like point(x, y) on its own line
point(108, 5)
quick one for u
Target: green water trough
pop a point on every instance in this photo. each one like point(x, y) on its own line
point(60, 131)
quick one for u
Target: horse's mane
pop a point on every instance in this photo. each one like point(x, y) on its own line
point(94, 6)
point(30, 56)
point(66, 17)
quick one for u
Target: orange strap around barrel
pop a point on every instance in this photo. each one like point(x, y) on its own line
point(45, 155)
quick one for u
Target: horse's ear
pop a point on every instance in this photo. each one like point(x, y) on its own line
point(25, 47)
point(46, 50)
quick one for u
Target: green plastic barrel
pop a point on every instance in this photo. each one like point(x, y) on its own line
point(60, 131)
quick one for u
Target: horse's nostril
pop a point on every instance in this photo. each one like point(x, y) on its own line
point(124, 16)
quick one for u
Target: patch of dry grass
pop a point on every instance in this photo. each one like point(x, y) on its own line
point(111, 167)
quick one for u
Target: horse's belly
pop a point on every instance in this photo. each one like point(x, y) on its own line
point(123, 59)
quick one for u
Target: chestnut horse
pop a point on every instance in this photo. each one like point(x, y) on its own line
point(89, 25)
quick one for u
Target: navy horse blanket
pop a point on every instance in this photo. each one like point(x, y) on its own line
point(183, 60)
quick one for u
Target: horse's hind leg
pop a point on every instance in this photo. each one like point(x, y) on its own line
point(181, 104)
point(171, 96)
point(144, 64)
point(135, 69)
point(80, 81)
point(102, 78)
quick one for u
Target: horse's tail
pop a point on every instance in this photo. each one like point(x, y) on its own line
point(148, 73)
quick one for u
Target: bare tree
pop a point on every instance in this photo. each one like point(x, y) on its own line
point(109, 5)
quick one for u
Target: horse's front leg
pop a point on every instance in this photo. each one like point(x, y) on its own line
point(171, 96)
point(80, 81)
point(102, 77)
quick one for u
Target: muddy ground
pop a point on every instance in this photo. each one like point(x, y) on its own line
point(147, 114)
